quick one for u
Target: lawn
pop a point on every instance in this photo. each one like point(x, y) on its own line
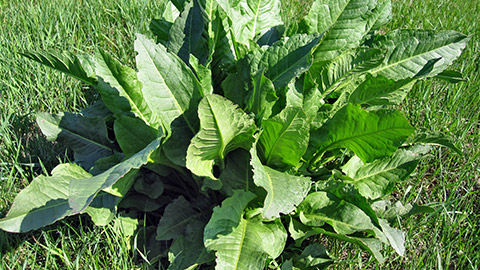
point(448, 238)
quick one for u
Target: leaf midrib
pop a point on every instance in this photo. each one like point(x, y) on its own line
point(362, 135)
point(379, 69)
point(284, 130)
point(78, 135)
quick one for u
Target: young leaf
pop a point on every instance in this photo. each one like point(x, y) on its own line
point(44, 201)
point(87, 136)
point(370, 135)
point(284, 138)
point(250, 18)
point(82, 192)
point(77, 66)
point(120, 89)
point(376, 179)
point(284, 191)
point(223, 128)
point(261, 99)
point(411, 50)
point(169, 86)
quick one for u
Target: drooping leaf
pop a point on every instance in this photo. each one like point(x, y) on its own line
point(120, 89)
point(80, 67)
point(284, 138)
point(376, 179)
point(223, 128)
point(370, 135)
point(395, 237)
point(187, 34)
point(82, 192)
point(284, 191)
point(169, 86)
point(132, 134)
point(451, 76)
point(44, 201)
point(410, 50)
point(436, 138)
point(87, 136)
point(252, 17)
point(322, 208)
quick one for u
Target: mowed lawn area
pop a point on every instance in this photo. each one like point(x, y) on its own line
point(448, 238)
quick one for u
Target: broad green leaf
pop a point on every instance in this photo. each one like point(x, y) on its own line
point(125, 225)
point(394, 236)
point(44, 201)
point(288, 58)
point(227, 216)
point(379, 90)
point(370, 135)
point(322, 208)
point(223, 128)
point(120, 89)
point(268, 38)
point(87, 136)
point(252, 17)
point(78, 66)
point(204, 75)
point(284, 191)
point(242, 243)
point(169, 86)
point(133, 134)
point(123, 185)
point(175, 219)
point(377, 179)
point(300, 232)
point(345, 23)
point(261, 99)
point(188, 250)
point(284, 138)
point(187, 34)
point(304, 93)
point(411, 50)
point(82, 192)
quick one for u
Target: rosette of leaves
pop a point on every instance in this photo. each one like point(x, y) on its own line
point(238, 138)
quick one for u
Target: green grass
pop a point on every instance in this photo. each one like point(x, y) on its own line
point(449, 238)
